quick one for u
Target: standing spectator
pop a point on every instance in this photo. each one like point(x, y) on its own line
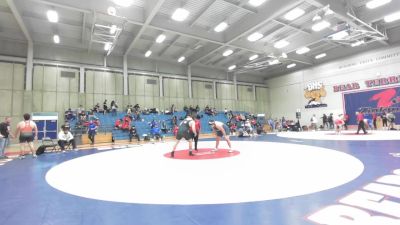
point(374, 117)
point(197, 125)
point(65, 138)
point(360, 120)
point(28, 132)
point(346, 121)
point(314, 122)
point(330, 121)
point(92, 129)
point(105, 107)
point(325, 121)
point(391, 118)
point(5, 133)
point(384, 120)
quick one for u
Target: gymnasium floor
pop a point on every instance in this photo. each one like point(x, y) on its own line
point(286, 179)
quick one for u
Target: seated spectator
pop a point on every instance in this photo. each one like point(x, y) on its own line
point(197, 108)
point(118, 124)
point(153, 110)
point(174, 121)
point(156, 133)
point(69, 115)
point(153, 124)
point(126, 124)
point(164, 128)
point(136, 108)
point(133, 134)
point(65, 138)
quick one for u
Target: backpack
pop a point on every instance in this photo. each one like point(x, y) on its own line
point(40, 150)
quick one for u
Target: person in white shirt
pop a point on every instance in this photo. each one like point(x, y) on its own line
point(65, 138)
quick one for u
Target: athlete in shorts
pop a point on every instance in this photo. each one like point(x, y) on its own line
point(186, 130)
point(28, 132)
point(221, 130)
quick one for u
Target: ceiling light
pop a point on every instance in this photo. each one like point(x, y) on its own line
point(316, 17)
point(302, 50)
point(256, 3)
point(56, 39)
point(284, 55)
point(376, 3)
point(227, 52)
point(294, 14)
point(320, 56)
point(112, 11)
point(123, 3)
point(329, 12)
point(52, 16)
point(253, 57)
point(255, 37)
point(180, 14)
point(181, 59)
point(357, 43)
point(221, 27)
point(339, 35)
point(160, 38)
point(392, 17)
point(198, 46)
point(291, 65)
point(274, 62)
point(113, 29)
point(148, 53)
point(321, 25)
point(232, 67)
point(107, 46)
point(281, 44)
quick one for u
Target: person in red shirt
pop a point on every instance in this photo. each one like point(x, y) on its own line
point(374, 120)
point(360, 120)
point(197, 125)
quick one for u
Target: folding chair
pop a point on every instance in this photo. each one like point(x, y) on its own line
point(49, 143)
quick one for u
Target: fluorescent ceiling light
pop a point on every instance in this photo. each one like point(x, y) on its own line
point(253, 57)
point(181, 59)
point(227, 52)
point(221, 27)
point(316, 17)
point(232, 67)
point(320, 56)
point(339, 35)
point(284, 55)
point(302, 50)
point(321, 25)
point(357, 43)
point(329, 12)
point(376, 3)
point(255, 37)
point(112, 11)
point(274, 62)
point(281, 44)
point(123, 3)
point(107, 46)
point(52, 16)
point(180, 14)
point(256, 3)
point(392, 17)
point(160, 38)
point(113, 29)
point(148, 53)
point(294, 14)
point(56, 39)
point(291, 65)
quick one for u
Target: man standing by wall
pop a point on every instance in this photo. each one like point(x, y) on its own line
point(360, 120)
point(5, 133)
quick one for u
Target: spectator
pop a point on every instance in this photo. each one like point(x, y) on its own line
point(65, 138)
point(114, 108)
point(314, 122)
point(92, 129)
point(105, 107)
point(360, 120)
point(28, 132)
point(346, 121)
point(197, 125)
point(330, 121)
point(5, 134)
point(164, 128)
point(118, 124)
point(133, 134)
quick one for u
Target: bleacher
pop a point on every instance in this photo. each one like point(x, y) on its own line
point(107, 122)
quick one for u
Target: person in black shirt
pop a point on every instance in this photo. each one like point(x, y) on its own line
point(5, 133)
point(133, 134)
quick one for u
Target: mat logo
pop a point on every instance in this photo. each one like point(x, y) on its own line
point(313, 93)
point(377, 203)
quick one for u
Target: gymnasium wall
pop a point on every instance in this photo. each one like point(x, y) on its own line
point(287, 92)
point(53, 92)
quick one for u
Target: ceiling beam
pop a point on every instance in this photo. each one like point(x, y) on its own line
point(199, 15)
point(252, 23)
point(20, 21)
point(64, 6)
point(83, 27)
point(152, 7)
point(169, 45)
point(240, 6)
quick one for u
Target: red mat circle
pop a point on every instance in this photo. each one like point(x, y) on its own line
point(202, 153)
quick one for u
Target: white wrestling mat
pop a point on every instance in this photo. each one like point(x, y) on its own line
point(344, 135)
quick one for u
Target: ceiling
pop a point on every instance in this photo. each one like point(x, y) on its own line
point(80, 27)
